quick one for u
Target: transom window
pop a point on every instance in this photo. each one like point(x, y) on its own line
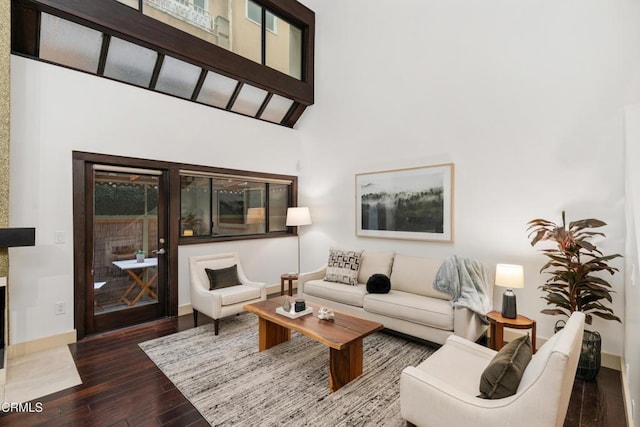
point(205, 51)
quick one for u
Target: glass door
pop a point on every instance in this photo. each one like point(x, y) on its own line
point(127, 211)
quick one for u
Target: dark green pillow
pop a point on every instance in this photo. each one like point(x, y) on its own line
point(223, 277)
point(502, 377)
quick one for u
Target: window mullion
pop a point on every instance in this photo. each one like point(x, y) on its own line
point(211, 213)
point(263, 47)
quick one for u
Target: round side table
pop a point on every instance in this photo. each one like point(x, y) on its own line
point(498, 322)
point(289, 278)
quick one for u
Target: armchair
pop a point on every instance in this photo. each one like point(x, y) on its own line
point(442, 390)
point(223, 302)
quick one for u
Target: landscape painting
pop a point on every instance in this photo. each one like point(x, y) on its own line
point(414, 203)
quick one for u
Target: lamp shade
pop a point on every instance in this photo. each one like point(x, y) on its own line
point(298, 216)
point(509, 276)
point(255, 216)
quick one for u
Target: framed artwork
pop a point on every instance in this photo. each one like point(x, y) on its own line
point(414, 203)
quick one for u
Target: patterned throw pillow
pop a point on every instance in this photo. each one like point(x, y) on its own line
point(343, 266)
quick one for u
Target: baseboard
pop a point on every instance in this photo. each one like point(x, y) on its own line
point(607, 360)
point(41, 344)
point(626, 393)
point(274, 289)
point(185, 309)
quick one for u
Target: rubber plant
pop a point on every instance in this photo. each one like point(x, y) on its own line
point(573, 263)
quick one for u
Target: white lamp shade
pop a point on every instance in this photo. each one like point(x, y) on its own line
point(509, 276)
point(255, 216)
point(298, 216)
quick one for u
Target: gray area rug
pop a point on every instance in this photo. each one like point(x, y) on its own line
point(231, 383)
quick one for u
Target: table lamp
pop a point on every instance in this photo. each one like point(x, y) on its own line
point(295, 218)
point(509, 276)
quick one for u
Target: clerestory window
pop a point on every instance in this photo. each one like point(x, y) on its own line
point(251, 57)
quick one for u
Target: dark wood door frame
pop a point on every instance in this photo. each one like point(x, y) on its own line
point(82, 236)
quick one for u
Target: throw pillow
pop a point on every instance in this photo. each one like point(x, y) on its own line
point(343, 266)
point(502, 377)
point(378, 284)
point(223, 277)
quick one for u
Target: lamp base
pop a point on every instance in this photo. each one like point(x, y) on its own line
point(509, 305)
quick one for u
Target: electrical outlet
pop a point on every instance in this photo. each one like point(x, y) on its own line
point(60, 308)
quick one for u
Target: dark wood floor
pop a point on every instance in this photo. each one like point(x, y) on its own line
point(122, 387)
point(597, 403)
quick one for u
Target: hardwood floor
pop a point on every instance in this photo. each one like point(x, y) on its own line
point(597, 403)
point(122, 387)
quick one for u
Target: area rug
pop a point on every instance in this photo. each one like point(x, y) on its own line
point(231, 383)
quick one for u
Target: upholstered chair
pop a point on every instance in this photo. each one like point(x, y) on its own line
point(231, 295)
point(443, 390)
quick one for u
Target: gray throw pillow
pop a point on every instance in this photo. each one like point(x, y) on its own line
point(502, 377)
point(223, 277)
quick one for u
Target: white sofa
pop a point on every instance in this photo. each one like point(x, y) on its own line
point(443, 390)
point(412, 306)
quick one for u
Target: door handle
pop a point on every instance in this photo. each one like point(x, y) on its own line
point(160, 251)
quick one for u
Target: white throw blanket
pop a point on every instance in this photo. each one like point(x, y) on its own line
point(465, 280)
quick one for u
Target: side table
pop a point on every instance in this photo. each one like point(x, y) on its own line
point(288, 277)
point(498, 322)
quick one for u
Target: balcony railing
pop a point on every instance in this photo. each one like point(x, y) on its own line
point(186, 11)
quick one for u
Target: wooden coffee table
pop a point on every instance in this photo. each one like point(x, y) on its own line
point(343, 336)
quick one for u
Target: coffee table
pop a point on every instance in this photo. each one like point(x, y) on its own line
point(343, 336)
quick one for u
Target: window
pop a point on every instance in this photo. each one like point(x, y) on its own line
point(283, 51)
point(190, 16)
point(254, 13)
point(205, 51)
point(223, 206)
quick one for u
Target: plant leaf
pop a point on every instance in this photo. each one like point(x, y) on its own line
point(553, 312)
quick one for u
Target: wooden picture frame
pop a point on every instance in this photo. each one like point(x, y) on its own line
point(411, 203)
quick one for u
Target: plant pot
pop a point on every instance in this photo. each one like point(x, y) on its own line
point(590, 355)
point(140, 257)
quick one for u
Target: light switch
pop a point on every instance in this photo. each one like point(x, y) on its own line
point(59, 237)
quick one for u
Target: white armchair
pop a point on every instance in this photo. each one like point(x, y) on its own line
point(219, 303)
point(442, 390)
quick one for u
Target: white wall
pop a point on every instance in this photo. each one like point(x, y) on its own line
point(55, 111)
point(632, 268)
point(526, 98)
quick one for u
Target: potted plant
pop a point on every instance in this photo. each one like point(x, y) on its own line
point(573, 284)
point(140, 255)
